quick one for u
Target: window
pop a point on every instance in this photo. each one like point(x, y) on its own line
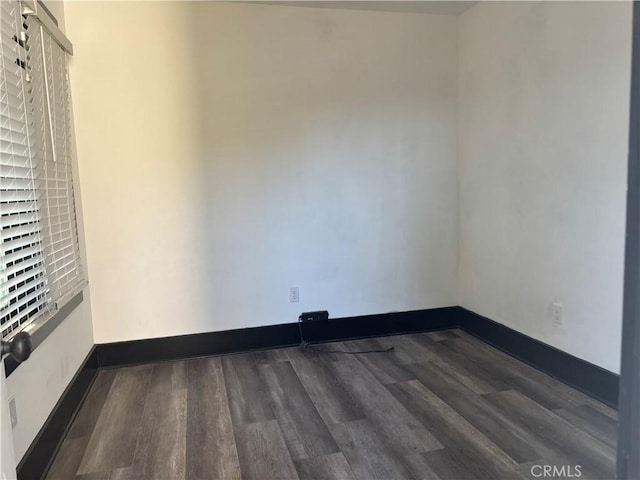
point(39, 256)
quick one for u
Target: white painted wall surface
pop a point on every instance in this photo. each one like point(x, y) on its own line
point(38, 383)
point(543, 137)
point(7, 455)
point(231, 151)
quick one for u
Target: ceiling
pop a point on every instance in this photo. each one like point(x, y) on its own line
point(451, 7)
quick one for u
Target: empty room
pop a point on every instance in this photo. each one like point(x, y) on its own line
point(320, 240)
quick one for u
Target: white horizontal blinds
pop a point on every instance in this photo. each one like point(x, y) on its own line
point(64, 273)
point(22, 285)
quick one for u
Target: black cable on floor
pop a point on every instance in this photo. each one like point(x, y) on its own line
point(306, 346)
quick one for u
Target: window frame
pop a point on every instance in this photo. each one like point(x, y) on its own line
point(46, 321)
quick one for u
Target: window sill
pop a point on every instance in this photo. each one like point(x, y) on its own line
point(44, 328)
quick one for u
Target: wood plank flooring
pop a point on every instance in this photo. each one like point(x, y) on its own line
point(442, 405)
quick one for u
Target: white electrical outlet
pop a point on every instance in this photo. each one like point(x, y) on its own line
point(294, 295)
point(557, 313)
point(13, 413)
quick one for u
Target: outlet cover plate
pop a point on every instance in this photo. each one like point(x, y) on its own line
point(294, 295)
point(557, 313)
point(13, 412)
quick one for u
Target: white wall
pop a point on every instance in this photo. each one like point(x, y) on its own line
point(543, 136)
point(230, 151)
point(38, 383)
point(7, 454)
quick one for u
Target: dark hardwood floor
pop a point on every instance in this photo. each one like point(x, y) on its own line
point(442, 405)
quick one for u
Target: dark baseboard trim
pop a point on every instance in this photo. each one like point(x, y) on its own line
point(37, 459)
point(273, 336)
point(580, 374)
point(196, 345)
point(394, 323)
